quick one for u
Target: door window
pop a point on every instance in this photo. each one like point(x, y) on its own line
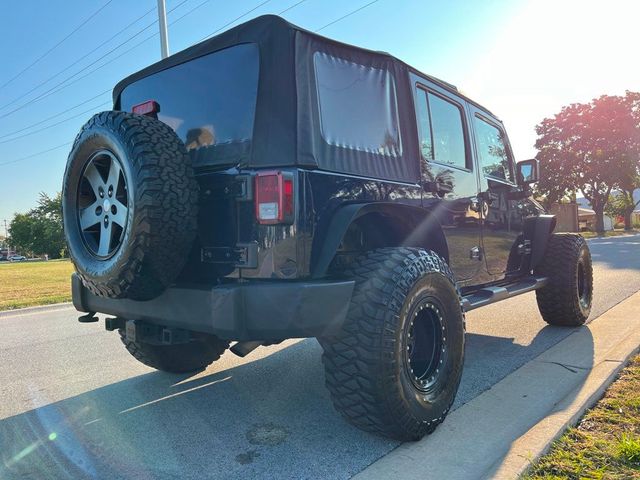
point(495, 158)
point(441, 130)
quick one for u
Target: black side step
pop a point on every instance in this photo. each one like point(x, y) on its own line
point(489, 295)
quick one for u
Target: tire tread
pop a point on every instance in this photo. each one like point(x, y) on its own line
point(383, 278)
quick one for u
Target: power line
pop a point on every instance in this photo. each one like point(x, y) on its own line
point(78, 60)
point(345, 16)
point(291, 7)
point(54, 116)
point(235, 20)
point(57, 123)
point(55, 46)
point(88, 100)
point(213, 33)
point(53, 90)
point(125, 52)
point(135, 46)
point(61, 85)
point(94, 70)
point(35, 154)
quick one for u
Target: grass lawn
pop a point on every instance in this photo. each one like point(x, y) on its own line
point(23, 284)
point(606, 442)
point(610, 233)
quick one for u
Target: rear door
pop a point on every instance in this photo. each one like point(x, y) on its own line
point(448, 176)
point(502, 211)
point(210, 102)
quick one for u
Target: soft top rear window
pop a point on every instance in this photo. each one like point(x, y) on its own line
point(209, 102)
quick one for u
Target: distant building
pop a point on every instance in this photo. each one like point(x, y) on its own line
point(587, 220)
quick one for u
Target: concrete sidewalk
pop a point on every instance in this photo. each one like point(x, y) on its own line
point(499, 433)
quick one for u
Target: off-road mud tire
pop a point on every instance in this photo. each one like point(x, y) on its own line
point(364, 368)
point(566, 298)
point(162, 194)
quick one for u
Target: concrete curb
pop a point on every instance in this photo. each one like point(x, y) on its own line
point(500, 432)
point(18, 312)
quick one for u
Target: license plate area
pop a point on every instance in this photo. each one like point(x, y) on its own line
point(243, 255)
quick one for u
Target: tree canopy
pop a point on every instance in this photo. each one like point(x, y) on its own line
point(593, 148)
point(39, 231)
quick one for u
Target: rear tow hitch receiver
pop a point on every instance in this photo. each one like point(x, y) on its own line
point(111, 324)
point(137, 331)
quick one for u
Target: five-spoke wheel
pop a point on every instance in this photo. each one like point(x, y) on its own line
point(103, 204)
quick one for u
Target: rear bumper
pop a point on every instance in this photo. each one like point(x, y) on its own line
point(257, 310)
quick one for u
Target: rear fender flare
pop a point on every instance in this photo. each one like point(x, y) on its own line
point(421, 227)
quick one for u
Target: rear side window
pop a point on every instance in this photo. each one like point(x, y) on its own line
point(358, 106)
point(495, 159)
point(441, 129)
point(209, 102)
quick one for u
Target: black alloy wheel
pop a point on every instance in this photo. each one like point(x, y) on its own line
point(426, 346)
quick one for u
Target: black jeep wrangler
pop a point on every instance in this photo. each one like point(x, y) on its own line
point(270, 183)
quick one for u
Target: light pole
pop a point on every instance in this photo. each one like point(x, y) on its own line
point(162, 23)
point(6, 239)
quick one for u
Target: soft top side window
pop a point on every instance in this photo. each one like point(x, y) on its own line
point(358, 106)
point(441, 130)
point(493, 154)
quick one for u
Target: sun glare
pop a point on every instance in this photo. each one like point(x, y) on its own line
point(552, 53)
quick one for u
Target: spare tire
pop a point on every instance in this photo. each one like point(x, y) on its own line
point(129, 203)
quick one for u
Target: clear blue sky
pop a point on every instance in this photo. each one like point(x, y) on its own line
point(522, 59)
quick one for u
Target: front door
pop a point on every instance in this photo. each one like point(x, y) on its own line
point(448, 177)
point(502, 211)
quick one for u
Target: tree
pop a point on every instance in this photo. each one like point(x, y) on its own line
point(39, 231)
point(622, 204)
point(630, 174)
point(593, 147)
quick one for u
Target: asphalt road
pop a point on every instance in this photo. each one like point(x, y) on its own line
point(74, 404)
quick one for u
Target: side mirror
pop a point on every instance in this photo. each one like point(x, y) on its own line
point(527, 172)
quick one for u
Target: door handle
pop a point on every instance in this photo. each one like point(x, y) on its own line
point(487, 197)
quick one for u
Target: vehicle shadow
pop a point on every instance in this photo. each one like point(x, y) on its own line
point(489, 358)
point(270, 418)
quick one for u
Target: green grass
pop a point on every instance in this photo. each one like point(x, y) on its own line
point(629, 448)
point(610, 233)
point(606, 442)
point(24, 284)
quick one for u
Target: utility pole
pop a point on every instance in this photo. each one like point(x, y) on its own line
point(162, 23)
point(6, 239)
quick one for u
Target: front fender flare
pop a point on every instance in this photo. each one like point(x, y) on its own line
point(537, 230)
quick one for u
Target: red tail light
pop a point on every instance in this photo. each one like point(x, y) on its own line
point(274, 197)
point(150, 108)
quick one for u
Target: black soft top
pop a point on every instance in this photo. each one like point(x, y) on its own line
point(286, 128)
